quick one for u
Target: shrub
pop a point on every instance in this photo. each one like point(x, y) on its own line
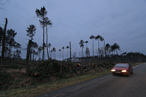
point(5, 79)
point(46, 69)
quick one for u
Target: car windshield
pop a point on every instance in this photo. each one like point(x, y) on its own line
point(121, 65)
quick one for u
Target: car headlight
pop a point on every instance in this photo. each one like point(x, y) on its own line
point(113, 70)
point(124, 71)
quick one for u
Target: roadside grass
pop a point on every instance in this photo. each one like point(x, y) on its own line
point(50, 86)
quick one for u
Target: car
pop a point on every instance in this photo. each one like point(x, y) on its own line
point(122, 68)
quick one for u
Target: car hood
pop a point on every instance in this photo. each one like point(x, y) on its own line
point(120, 68)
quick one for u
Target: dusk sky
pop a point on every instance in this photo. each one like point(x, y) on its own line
point(117, 21)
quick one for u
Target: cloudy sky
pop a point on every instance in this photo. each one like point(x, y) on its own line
point(117, 21)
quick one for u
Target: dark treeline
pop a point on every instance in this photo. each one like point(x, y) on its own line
point(105, 50)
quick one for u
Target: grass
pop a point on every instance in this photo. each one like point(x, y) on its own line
point(50, 86)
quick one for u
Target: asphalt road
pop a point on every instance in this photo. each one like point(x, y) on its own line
point(107, 86)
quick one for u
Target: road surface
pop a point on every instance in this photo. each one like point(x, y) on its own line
point(107, 86)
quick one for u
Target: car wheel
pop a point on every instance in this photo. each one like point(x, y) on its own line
point(132, 72)
point(114, 74)
point(128, 74)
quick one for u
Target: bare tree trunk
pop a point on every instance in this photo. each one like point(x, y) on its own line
point(3, 43)
point(117, 51)
point(28, 56)
point(98, 48)
point(54, 55)
point(10, 52)
point(93, 47)
point(49, 53)
point(70, 50)
point(47, 41)
point(82, 52)
point(51, 56)
point(39, 55)
point(30, 52)
point(33, 56)
point(43, 41)
point(63, 54)
point(67, 53)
